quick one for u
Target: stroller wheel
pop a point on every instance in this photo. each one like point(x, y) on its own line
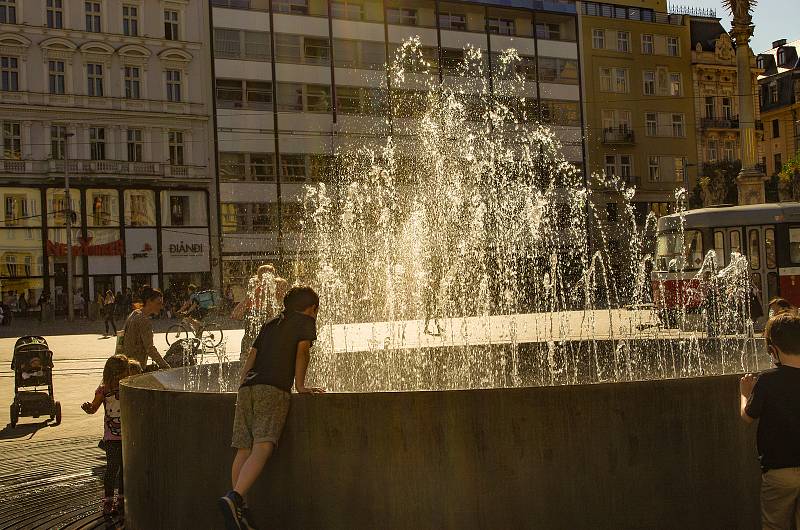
point(14, 415)
point(58, 413)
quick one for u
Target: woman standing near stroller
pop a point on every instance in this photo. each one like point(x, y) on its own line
point(109, 305)
point(107, 394)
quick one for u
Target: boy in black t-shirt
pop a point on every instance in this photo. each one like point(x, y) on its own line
point(279, 357)
point(774, 399)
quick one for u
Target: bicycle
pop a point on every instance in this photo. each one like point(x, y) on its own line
point(209, 332)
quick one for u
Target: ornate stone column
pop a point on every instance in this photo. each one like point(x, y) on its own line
point(751, 179)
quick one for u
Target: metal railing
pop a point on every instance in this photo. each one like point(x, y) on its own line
point(720, 123)
point(102, 167)
point(618, 136)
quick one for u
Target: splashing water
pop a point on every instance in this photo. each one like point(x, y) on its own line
point(466, 251)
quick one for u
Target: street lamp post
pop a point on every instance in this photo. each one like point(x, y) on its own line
point(68, 218)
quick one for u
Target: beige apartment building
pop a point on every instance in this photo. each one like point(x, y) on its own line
point(638, 95)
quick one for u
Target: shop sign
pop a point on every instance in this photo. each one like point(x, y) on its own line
point(141, 255)
point(185, 250)
point(85, 248)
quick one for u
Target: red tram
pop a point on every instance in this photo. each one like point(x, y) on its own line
point(767, 235)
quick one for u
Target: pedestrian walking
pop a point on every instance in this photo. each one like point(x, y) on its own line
point(109, 304)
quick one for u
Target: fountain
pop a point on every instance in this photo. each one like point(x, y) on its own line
point(468, 295)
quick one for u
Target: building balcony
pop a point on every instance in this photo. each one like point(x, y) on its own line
point(618, 136)
point(111, 168)
point(720, 123)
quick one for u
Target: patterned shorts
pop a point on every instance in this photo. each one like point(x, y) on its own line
point(260, 415)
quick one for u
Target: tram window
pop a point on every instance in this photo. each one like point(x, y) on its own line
point(772, 285)
point(736, 245)
point(794, 245)
point(754, 249)
point(719, 248)
point(769, 247)
point(694, 247)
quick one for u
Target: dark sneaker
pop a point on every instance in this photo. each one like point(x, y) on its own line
point(247, 519)
point(231, 507)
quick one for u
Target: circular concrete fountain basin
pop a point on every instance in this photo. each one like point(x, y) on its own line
point(651, 454)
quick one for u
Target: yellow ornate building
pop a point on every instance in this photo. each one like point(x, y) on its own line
point(716, 105)
point(780, 104)
point(637, 99)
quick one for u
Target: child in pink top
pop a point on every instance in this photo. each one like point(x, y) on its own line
point(107, 394)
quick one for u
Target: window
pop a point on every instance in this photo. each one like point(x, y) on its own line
point(173, 85)
point(623, 41)
point(318, 98)
point(401, 16)
point(97, 143)
point(94, 75)
point(130, 20)
point(230, 93)
point(794, 245)
point(548, 31)
point(647, 44)
point(649, 80)
point(262, 167)
point(316, 51)
point(227, 43)
point(175, 148)
point(132, 82)
point(58, 141)
point(347, 10)
point(259, 94)
point(12, 140)
point(231, 166)
point(171, 25)
point(256, 45)
point(453, 21)
point(680, 169)
point(135, 145)
point(8, 11)
point(293, 167)
point(726, 108)
point(777, 161)
point(501, 26)
point(675, 84)
point(773, 92)
point(348, 100)
point(736, 245)
point(729, 150)
point(9, 74)
point(678, 125)
point(55, 14)
point(292, 7)
point(621, 80)
point(776, 128)
point(653, 169)
point(290, 97)
point(781, 56)
point(754, 249)
point(598, 39)
point(611, 165)
point(712, 147)
point(719, 248)
point(651, 123)
point(673, 47)
point(625, 166)
point(179, 210)
point(92, 10)
point(709, 106)
point(56, 75)
point(288, 48)
point(605, 79)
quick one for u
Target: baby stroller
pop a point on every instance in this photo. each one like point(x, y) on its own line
point(32, 363)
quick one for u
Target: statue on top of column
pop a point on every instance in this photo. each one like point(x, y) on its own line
point(741, 11)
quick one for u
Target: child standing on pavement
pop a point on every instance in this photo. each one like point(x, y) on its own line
point(773, 398)
point(278, 359)
point(107, 394)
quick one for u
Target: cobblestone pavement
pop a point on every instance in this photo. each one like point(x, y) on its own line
point(53, 484)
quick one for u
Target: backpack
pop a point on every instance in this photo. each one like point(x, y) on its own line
point(206, 299)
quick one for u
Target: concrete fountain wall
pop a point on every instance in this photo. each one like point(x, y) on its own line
point(653, 454)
